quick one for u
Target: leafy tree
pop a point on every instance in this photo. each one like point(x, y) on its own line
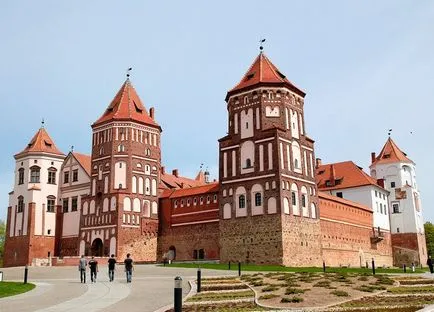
point(429, 236)
point(2, 238)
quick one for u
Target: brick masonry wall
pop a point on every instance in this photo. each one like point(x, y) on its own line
point(408, 248)
point(188, 238)
point(301, 241)
point(16, 251)
point(256, 239)
point(68, 246)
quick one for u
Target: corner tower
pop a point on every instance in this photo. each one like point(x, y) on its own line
point(268, 195)
point(406, 220)
point(31, 219)
point(120, 215)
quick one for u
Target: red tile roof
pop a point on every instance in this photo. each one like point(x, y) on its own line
point(174, 182)
point(41, 143)
point(262, 71)
point(84, 160)
point(326, 196)
point(390, 154)
point(126, 105)
point(342, 175)
point(191, 191)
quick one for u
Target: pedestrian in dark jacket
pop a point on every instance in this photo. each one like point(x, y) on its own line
point(111, 267)
point(93, 265)
point(430, 264)
point(128, 262)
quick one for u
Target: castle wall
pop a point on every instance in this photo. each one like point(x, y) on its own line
point(408, 248)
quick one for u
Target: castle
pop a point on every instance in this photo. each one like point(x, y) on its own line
point(274, 203)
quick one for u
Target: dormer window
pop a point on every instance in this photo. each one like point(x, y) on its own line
point(386, 156)
point(328, 183)
point(138, 109)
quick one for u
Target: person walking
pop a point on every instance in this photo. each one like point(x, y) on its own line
point(128, 262)
point(430, 264)
point(82, 269)
point(111, 267)
point(93, 265)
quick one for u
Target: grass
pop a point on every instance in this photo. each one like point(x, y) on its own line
point(224, 307)
point(221, 296)
point(399, 300)
point(268, 296)
point(411, 290)
point(293, 291)
point(340, 293)
point(12, 288)
point(370, 288)
point(291, 300)
point(416, 282)
point(278, 268)
point(269, 288)
point(217, 287)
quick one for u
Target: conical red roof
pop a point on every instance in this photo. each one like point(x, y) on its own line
point(126, 105)
point(390, 154)
point(262, 71)
point(40, 143)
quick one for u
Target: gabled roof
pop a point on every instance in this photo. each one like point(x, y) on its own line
point(191, 191)
point(342, 175)
point(40, 143)
point(326, 196)
point(262, 71)
point(171, 181)
point(85, 161)
point(391, 154)
point(200, 176)
point(126, 105)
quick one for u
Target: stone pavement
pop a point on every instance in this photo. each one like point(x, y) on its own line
point(59, 289)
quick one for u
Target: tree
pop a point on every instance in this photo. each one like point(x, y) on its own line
point(429, 236)
point(2, 238)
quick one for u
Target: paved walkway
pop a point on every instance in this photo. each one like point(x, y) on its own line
point(59, 289)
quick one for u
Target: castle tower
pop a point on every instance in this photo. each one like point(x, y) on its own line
point(406, 221)
point(31, 220)
point(121, 214)
point(268, 196)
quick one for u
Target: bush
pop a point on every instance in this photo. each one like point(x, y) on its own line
point(369, 288)
point(269, 288)
point(293, 291)
point(384, 280)
point(325, 284)
point(258, 283)
point(291, 300)
point(268, 296)
point(340, 293)
point(363, 278)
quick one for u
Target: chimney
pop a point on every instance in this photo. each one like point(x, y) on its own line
point(151, 112)
point(175, 172)
point(380, 182)
point(162, 170)
point(332, 174)
point(318, 162)
point(372, 157)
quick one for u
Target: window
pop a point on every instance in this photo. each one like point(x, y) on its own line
point(395, 207)
point(392, 184)
point(201, 200)
point(328, 182)
point(296, 163)
point(182, 203)
point(188, 202)
point(247, 125)
point(242, 201)
point(75, 175)
point(208, 199)
point(121, 148)
point(339, 194)
point(34, 174)
point(74, 204)
point(215, 198)
point(376, 193)
point(21, 176)
point(248, 163)
point(65, 203)
point(51, 176)
point(176, 204)
point(148, 152)
point(258, 199)
point(381, 208)
point(397, 230)
point(303, 201)
point(293, 199)
point(20, 204)
point(50, 204)
point(195, 201)
point(66, 177)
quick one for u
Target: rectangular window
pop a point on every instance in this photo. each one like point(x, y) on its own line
point(65, 204)
point(392, 184)
point(66, 177)
point(21, 176)
point(51, 177)
point(75, 175)
point(34, 175)
point(395, 207)
point(50, 205)
point(20, 204)
point(74, 204)
point(376, 194)
point(397, 230)
point(339, 194)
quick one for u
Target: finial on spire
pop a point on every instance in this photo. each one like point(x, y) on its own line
point(42, 123)
point(72, 148)
point(201, 166)
point(128, 72)
point(390, 132)
point(261, 46)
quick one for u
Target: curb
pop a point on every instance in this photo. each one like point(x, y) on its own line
point(192, 292)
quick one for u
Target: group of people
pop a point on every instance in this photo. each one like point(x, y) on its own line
point(93, 266)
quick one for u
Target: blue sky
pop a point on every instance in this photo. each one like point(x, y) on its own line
point(366, 66)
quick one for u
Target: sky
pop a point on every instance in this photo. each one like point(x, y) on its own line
point(366, 66)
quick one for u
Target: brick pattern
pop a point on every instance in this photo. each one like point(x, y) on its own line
point(408, 248)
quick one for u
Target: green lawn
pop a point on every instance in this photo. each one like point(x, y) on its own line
point(13, 288)
point(278, 268)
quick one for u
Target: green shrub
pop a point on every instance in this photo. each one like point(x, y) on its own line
point(340, 293)
point(291, 300)
point(363, 278)
point(325, 284)
point(268, 296)
point(269, 288)
point(257, 283)
point(370, 288)
point(293, 291)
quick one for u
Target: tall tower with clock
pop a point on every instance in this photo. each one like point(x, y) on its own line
point(268, 196)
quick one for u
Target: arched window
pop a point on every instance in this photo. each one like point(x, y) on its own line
point(20, 204)
point(293, 198)
point(195, 201)
point(21, 176)
point(248, 163)
point(242, 201)
point(121, 148)
point(176, 204)
point(303, 201)
point(258, 199)
point(201, 200)
point(296, 163)
point(208, 199)
point(35, 173)
point(148, 152)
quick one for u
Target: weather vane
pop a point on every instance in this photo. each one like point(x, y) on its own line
point(42, 123)
point(128, 72)
point(390, 132)
point(261, 46)
point(72, 148)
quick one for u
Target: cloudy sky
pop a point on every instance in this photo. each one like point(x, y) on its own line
point(366, 66)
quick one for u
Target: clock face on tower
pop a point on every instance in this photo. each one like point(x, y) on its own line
point(272, 111)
